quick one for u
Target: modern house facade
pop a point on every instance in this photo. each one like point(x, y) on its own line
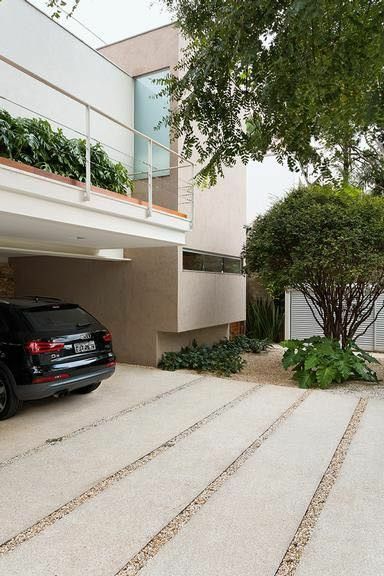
point(159, 266)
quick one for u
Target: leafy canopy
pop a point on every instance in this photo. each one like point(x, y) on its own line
point(302, 79)
point(327, 243)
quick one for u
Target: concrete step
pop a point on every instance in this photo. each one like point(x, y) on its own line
point(348, 537)
point(100, 536)
point(41, 482)
point(246, 527)
point(51, 418)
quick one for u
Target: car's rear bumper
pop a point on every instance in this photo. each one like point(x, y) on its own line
point(46, 389)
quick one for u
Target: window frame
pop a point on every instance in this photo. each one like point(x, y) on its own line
point(223, 257)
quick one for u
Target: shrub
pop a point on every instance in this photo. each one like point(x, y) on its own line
point(244, 343)
point(33, 141)
point(222, 358)
point(265, 319)
point(319, 362)
point(327, 243)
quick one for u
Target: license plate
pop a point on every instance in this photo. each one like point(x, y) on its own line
point(85, 346)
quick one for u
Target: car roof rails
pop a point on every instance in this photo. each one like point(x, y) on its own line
point(38, 298)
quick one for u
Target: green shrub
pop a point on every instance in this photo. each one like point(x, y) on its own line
point(319, 362)
point(244, 343)
point(265, 319)
point(33, 141)
point(222, 358)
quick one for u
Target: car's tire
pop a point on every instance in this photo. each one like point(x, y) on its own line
point(87, 389)
point(9, 402)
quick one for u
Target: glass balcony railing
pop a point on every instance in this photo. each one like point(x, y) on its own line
point(61, 134)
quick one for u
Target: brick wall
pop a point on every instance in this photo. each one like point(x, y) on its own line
point(7, 280)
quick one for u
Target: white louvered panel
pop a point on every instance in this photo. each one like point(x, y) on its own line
point(379, 326)
point(367, 340)
point(303, 324)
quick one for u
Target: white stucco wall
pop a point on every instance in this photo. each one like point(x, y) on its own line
point(34, 41)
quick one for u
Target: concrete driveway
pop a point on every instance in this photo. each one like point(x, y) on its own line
point(173, 474)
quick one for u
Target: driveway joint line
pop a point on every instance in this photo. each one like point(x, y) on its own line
point(117, 476)
point(151, 549)
point(292, 557)
point(52, 441)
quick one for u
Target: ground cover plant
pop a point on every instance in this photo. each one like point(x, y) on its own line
point(33, 141)
point(223, 358)
point(318, 362)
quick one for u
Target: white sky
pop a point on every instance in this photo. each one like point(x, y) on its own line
point(113, 20)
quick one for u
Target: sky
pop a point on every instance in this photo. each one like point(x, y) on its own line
point(112, 20)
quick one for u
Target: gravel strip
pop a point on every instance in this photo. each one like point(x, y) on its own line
point(303, 534)
point(137, 562)
point(266, 367)
point(70, 506)
point(97, 423)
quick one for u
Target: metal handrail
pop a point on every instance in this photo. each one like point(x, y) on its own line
point(88, 108)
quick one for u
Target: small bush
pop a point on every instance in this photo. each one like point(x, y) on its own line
point(222, 358)
point(265, 319)
point(319, 362)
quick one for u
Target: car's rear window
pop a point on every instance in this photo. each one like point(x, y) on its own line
point(59, 319)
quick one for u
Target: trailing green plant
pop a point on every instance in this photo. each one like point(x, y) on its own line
point(320, 362)
point(265, 319)
point(33, 141)
point(222, 358)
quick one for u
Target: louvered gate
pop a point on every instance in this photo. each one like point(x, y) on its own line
point(300, 323)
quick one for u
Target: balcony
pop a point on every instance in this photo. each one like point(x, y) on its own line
point(44, 211)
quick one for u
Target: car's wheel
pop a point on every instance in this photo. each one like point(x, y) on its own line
point(88, 389)
point(9, 403)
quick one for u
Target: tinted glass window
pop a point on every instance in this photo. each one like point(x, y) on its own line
point(213, 263)
point(3, 323)
point(59, 319)
point(232, 265)
point(193, 261)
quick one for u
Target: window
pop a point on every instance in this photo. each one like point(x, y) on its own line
point(60, 319)
point(149, 110)
point(205, 262)
point(232, 266)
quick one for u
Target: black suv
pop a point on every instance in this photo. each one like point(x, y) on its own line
point(49, 347)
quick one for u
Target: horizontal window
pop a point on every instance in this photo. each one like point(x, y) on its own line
point(204, 262)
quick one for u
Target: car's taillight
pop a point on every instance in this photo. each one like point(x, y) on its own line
point(43, 347)
point(107, 337)
point(43, 379)
point(110, 364)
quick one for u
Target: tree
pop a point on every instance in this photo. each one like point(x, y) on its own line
point(329, 244)
point(303, 79)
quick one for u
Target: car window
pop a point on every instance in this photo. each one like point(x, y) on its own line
point(4, 328)
point(59, 319)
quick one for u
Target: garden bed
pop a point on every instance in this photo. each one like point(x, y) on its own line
point(266, 368)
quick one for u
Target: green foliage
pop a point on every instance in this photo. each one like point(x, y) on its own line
point(222, 358)
point(320, 362)
point(327, 243)
point(33, 141)
point(265, 319)
point(300, 78)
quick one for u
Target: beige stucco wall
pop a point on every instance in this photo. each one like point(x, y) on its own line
point(187, 303)
point(7, 280)
point(172, 342)
point(208, 299)
point(100, 287)
point(152, 294)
